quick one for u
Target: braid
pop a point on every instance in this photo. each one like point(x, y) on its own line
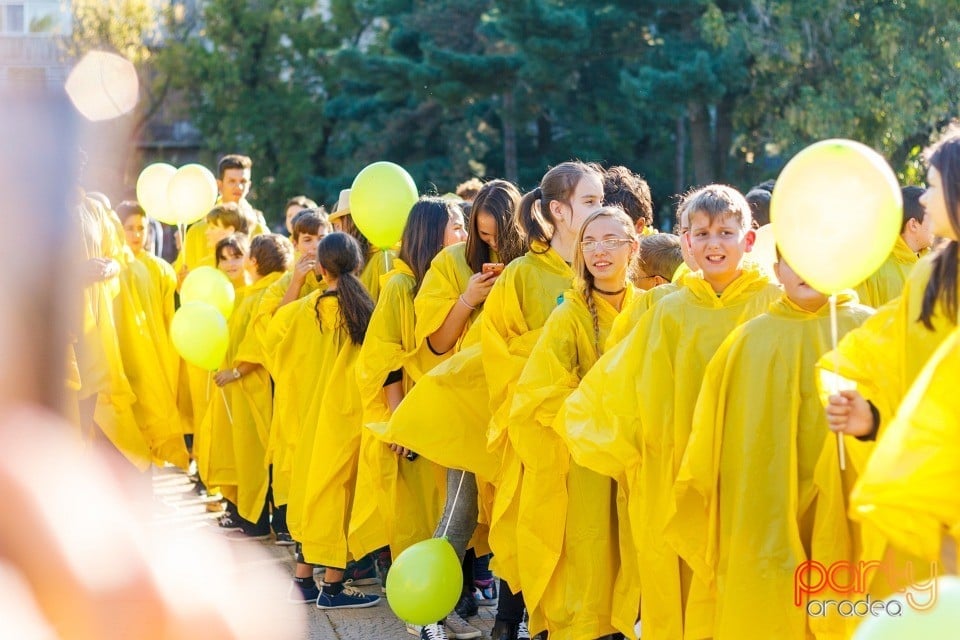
point(585, 288)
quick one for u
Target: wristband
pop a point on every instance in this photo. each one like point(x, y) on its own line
point(467, 304)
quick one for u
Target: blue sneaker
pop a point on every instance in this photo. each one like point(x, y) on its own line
point(303, 592)
point(349, 598)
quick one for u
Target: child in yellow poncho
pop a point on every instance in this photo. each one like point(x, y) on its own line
point(567, 535)
point(309, 227)
point(631, 416)
point(745, 494)
point(248, 389)
point(915, 239)
point(324, 476)
point(525, 294)
point(410, 488)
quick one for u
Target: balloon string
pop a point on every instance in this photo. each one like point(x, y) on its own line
point(226, 405)
point(453, 507)
point(834, 335)
point(386, 260)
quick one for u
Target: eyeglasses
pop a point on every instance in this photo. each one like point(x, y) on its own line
point(609, 244)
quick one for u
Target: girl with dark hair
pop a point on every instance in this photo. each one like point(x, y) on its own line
point(579, 551)
point(317, 338)
point(409, 489)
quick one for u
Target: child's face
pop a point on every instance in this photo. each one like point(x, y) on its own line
point(802, 294)
point(216, 232)
point(645, 281)
point(235, 185)
point(608, 266)
point(307, 243)
point(587, 198)
point(135, 230)
point(232, 264)
point(935, 204)
point(455, 231)
point(487, 229)
point(718, 246)
point(292, 210)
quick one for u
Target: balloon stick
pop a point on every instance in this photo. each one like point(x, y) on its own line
point(386, 260)
point(226, 405)
point(183, 241)
point(834, 333)
point(453, 507)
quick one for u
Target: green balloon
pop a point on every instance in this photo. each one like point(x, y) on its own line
point(206, 284)
point(425, 582)
point(199, 334)
point(380, 201)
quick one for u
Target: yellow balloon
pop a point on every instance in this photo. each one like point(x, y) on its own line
point(152, 191)
point(836, 212)
point(210, 286)
point(192, 192)
point(199, 335)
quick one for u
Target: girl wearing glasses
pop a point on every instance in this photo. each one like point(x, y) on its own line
point(567, 525)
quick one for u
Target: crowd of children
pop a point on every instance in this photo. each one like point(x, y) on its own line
point(635, 423)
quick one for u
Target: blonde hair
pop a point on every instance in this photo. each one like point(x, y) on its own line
point(583, 281)
point(716, 201)
point(660, 255)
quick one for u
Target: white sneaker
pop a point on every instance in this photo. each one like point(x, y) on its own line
point(523, 633)
point(433, 632)
point(459, 628)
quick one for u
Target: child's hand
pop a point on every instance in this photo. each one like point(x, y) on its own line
point(397, 449)
point(478, 288)
point(848, 412)
point(304, 266)
point(223, 378)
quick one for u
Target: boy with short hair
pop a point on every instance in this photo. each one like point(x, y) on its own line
point(745, 494)
point(915, 239)
point(631, 416)
point(660, 257)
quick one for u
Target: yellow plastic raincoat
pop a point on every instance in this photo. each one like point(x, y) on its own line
point(567, 523)
point(887, 282)
point(97, 349)
point(525, 294)
point(378, 264)
point(409, 494)
point(745, 494)
point(442, 285)
point(320, 511)
point(631, 417)
point(624, 323)
point(909, 490)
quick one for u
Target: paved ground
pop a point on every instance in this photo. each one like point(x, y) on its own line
point(177, 505)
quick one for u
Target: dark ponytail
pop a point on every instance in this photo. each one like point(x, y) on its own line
point(942, 286)
point(339, 254)
point(533, 216)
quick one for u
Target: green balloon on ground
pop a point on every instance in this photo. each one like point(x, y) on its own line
point(199, 334)
point(209, 285)
point(380, 201)
point(425, 582)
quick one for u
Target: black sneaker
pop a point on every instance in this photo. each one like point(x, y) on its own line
point(361, 573)
point(467, 607)
point(284, 539)
point(229, 522)
point(433, 632)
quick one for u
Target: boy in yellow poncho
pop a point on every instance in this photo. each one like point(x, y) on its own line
point(323, 488)
point(915, 239)
point(143, 311)
point(567, 531)
point(745, 496)
point(248, 388)
point(309, 227)
point(631, 416)
point(659, 274)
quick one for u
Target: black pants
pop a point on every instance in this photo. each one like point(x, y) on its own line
point(510, 605)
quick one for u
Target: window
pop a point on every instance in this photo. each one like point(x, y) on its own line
point(13, 18)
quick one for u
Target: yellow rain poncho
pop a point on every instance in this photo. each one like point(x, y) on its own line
point(887, 282)
point(195, 250)
point(442, 285)
point(252, 406)
point(910, 490)
point(444, 418)
point(631, 417)
point(567, 524)
point(327, 452)
point(378, 263)
point(99, 363)
point(745, 494)
point(525, 294)
point(292, 345)
point(624, 323)
point(146, 351)
point(409, 494)
point(270, 301)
